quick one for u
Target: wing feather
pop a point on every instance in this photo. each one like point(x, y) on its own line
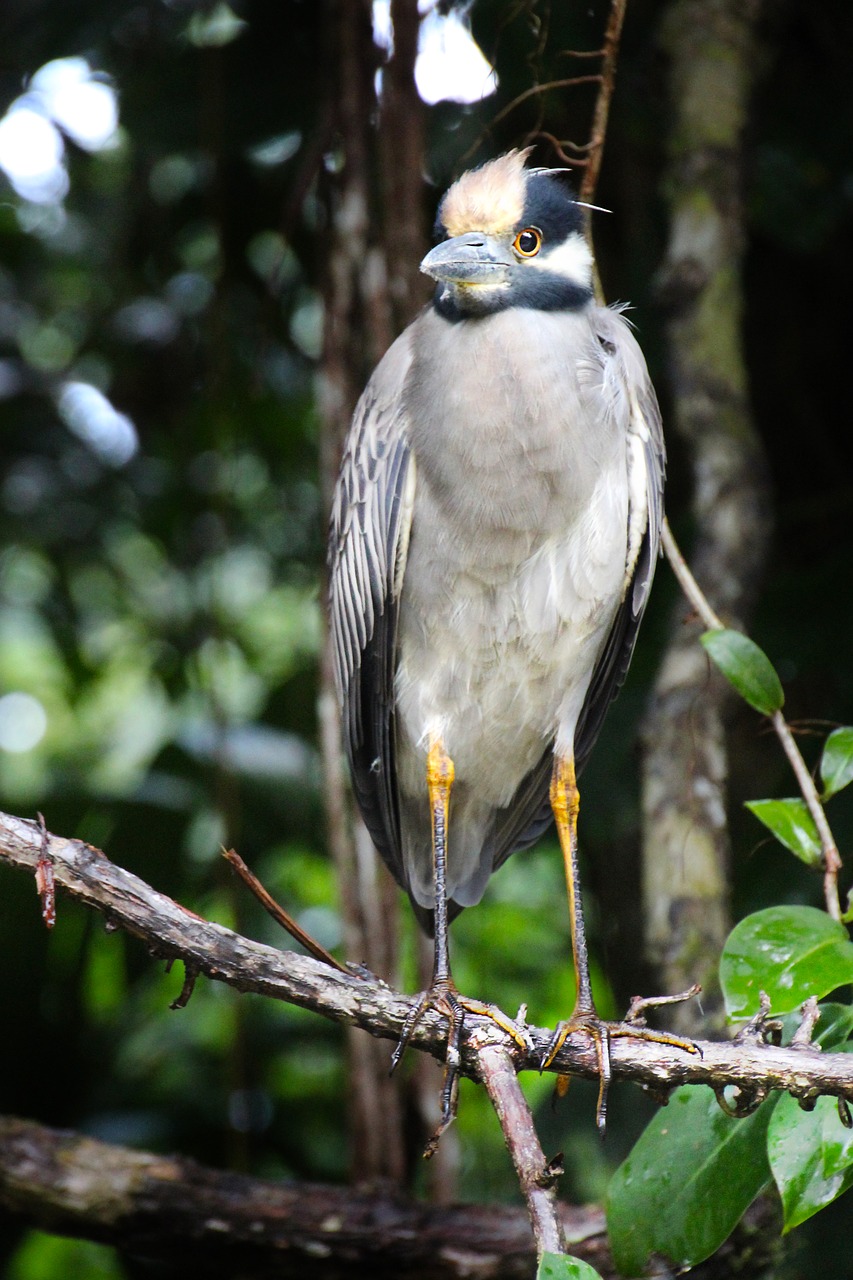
point(371, 514)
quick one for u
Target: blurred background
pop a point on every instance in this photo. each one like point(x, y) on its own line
point(168, 179)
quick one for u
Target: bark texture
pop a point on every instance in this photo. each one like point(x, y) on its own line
point(194, 1221)
point(712, 48)
point(171, 932)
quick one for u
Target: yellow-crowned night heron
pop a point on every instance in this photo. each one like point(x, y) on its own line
point(494, 535)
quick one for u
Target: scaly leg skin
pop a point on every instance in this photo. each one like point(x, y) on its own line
point(442, 993)
point(565, 801)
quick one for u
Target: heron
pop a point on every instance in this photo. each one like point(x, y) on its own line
point(494, 534)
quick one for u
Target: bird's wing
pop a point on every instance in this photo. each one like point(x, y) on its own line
point(646, 471)
point(370, 523)
point(529, 813)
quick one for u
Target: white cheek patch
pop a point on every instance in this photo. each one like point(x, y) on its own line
point(572, 260)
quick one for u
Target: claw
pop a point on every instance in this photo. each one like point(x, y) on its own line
point(602, 1033)
point(413, 1017)
point(445, 999)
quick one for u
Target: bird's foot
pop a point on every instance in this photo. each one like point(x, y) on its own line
point(443, 996)
point(586, 1019)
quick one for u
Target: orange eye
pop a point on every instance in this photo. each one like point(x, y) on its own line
point(528, 242)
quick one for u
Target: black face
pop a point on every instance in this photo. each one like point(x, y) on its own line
point(551, 207)
point(538, 275)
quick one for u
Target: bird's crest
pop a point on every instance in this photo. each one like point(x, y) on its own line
point(489, 199)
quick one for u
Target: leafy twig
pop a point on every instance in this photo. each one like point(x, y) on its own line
point(805, 781)
point(700, 602)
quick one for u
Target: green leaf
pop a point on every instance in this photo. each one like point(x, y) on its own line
point(836, 763)
point(789, 952)
point(688, 1181)
point(792, 825)
point(559, 1266)
point(746, 667)
point(811, 1157)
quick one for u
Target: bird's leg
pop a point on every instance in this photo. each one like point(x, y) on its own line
point(565, 802)
point(440, 774)
point(442, 993)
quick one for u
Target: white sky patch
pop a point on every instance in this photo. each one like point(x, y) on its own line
point(450, 66)
point(23, 722)
point(66, 97)
point(31, 154)
point(84, 107)
point(88, 413)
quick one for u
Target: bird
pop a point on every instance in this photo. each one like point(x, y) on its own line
point(493, 538)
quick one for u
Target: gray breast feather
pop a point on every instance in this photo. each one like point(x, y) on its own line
point(626, 383)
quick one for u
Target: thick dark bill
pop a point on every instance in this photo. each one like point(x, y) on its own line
point(468, 259)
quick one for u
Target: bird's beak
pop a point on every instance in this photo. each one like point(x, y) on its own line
point(470, 259)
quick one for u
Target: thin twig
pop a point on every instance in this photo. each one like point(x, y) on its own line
point(610, 54)
point(581, 53)
point(570, 161)
point(802, 1037)
point(639, 1004)
point(279, 914)
point(687, 582)
point(45, 886)
point(808, 790)
point(537, 90)
point(831, 856)
point(536, 1178)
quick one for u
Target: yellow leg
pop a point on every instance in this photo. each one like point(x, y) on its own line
point(565, 802)
point(442, 993)
point(440, 775)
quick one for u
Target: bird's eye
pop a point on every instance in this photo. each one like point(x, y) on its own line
point(528, 242)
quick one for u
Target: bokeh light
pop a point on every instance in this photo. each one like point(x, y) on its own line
point(65, 96)
point(88, 413)
point(23, 722)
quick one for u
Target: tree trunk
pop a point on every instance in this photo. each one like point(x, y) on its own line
point(712, 47)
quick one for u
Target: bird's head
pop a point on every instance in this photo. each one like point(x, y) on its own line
point(513, 237)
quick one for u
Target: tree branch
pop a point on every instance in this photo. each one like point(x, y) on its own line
point(598, 129)
point(536, 1179)
point(172, 932)
point(206, 1222)
point(192, 1220)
